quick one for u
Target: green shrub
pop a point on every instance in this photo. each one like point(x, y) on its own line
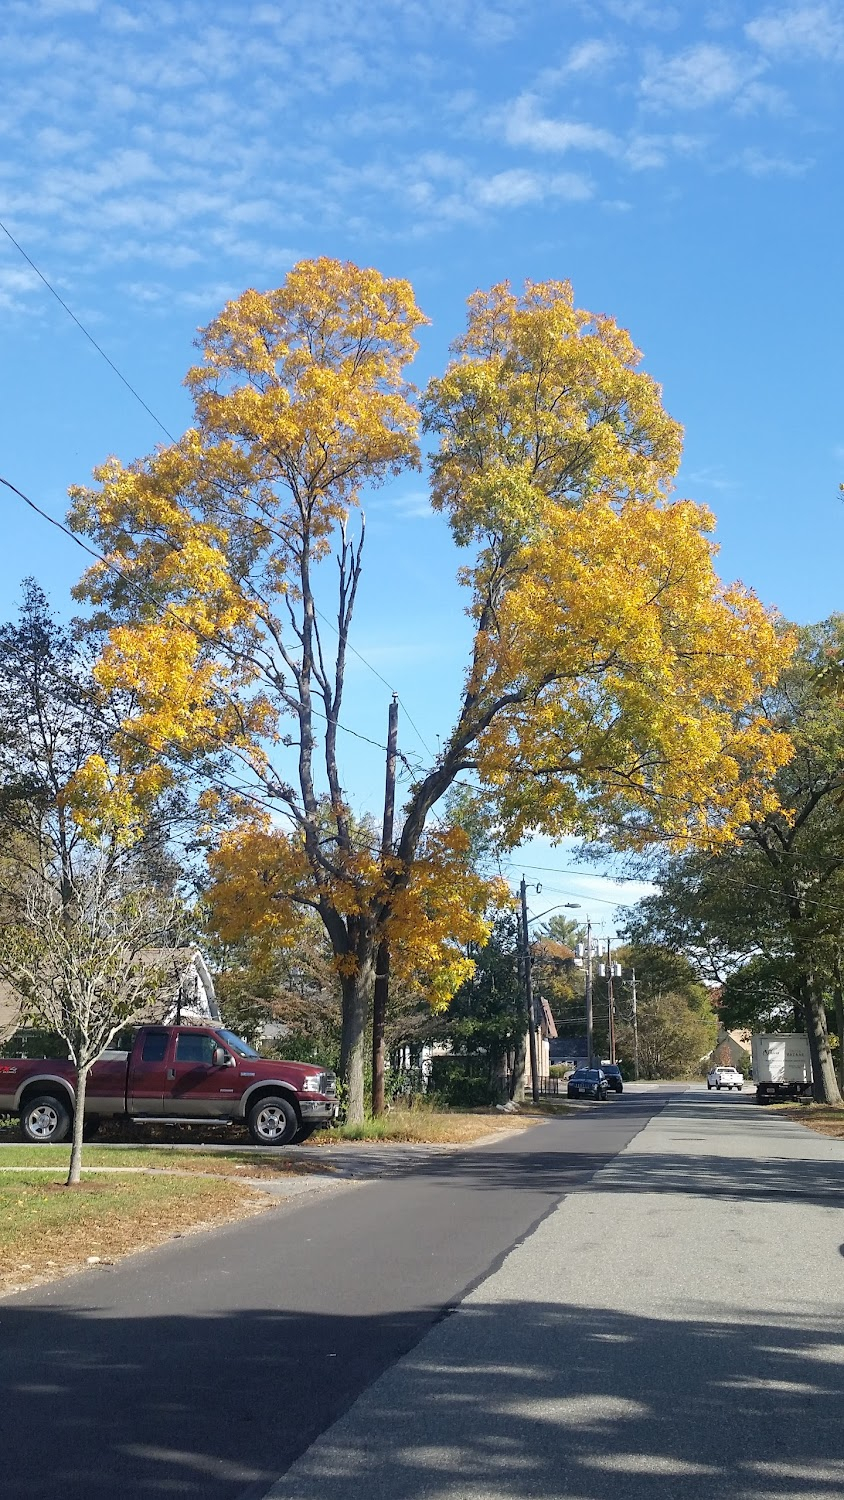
point(463, 1082)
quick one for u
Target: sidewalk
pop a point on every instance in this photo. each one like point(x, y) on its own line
point(673, 1329)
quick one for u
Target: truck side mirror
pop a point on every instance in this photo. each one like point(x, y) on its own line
point(219, 1057)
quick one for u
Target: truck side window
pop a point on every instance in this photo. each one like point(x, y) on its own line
point(194, 1046)
point(155, 1046)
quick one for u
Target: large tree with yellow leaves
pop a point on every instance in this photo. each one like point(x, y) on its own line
point(610, 674)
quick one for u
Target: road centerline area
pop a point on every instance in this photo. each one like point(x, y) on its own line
point(673, 1328)
point(208, 1366)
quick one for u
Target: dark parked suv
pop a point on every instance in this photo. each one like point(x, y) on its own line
point(612, 1073)
point(587, 1083)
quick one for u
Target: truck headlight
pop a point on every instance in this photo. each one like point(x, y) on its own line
point(311, 1083)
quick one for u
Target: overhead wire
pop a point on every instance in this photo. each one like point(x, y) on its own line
point(89, 336)
point(201, 635)
point(148, 409)
point(92, 552)
point(263, 801)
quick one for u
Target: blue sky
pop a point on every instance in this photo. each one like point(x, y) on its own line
point(681, 165)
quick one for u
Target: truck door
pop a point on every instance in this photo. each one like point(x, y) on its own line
point(148, 1073)
point(196, 1086)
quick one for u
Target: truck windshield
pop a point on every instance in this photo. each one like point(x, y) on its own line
point(237, 1044)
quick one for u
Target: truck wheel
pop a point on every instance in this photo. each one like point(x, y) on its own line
point(272, 1121)
point(91, 1127)
point(45, 1121)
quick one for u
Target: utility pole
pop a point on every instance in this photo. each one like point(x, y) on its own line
point(610, 1005)
point(590, 1046)
point(528, 991)
point(635, 1030)
point(382, 961)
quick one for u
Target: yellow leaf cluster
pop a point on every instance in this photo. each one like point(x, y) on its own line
point(300, 399)
point(108, 803)
point(262, 884)
point(642, 670)
point(545, 398)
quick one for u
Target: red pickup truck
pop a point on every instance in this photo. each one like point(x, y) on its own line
point(173, 1075)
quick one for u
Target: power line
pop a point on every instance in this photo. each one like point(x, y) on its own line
point(89, 336)
point(168, 433)
point(201, 635)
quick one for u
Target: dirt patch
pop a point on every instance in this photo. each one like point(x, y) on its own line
point(48, 1230)
point(821, 1118)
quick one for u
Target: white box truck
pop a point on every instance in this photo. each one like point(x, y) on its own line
point(782, 1067)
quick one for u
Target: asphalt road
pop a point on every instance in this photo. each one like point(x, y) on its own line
point(207, 1367)
point(672, 1331)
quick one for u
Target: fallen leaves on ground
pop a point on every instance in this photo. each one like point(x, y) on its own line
point(821, 1118)
point(48, 1230)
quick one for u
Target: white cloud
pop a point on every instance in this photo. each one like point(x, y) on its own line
point(14, 283)
point(759, 163)
point(703, 75)
point(524, 125)
point(644, 13)
point(800, 31)
point(590, 56)
point(515, 188)
point(647, 152)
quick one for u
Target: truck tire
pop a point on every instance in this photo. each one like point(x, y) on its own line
point(45, 1120)
point(272, 1121)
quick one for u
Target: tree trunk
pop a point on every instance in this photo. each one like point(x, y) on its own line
point(517, 1077)
point(825, 1088)
point(74, 1176)
point(839, 1018)
point(356, 991)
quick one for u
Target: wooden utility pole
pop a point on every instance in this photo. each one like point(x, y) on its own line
point(382, 961)
point(635, 1031)
point(610, 1005)
point(528, 993)
point(590, 1042)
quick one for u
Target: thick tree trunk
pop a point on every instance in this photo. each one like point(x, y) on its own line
point(825, 1088)
point(357, 994)
point(74, 1176)
point(839, 1018)
point(517, 1077)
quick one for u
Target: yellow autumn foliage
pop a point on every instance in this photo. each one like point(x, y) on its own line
point(262, 884)
point(615, 681)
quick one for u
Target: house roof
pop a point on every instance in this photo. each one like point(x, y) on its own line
point(550, 1023)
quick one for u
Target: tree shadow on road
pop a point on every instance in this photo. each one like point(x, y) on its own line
point(528, 1399)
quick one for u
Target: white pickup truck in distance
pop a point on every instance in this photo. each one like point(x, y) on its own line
point(724, 1078)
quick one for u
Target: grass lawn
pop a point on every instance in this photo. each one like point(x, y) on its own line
point(421, 1126)
point(427, 1127)
point(231, 1163)
point(821, 1118)
point(47, 1230)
